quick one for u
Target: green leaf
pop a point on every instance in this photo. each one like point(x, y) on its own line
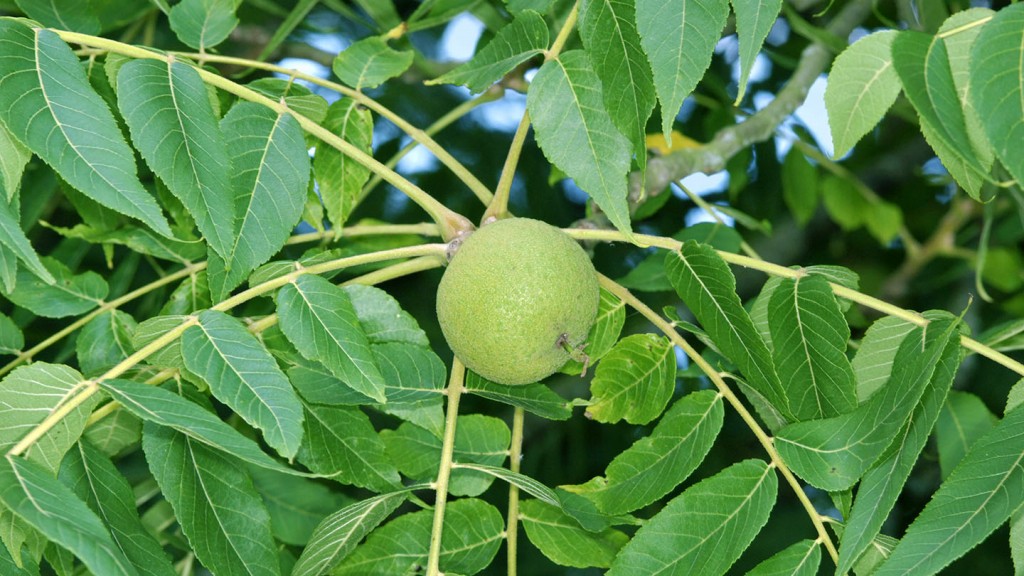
point(1006, 337)
point(611, 315)
point(192, 295)
point(963, 419)
point(706, 528)
point(809, 335)
point(149, 330)
point(653, 466)
point(214, 502)
point(47, 103)
point(634, 381)
point(69, 295)
point(95, 479)
point(115, 432)
point(270, 173)
point(562, 540)
point(922, 62)
point(843, 202)
point(649, 275)
point(414, 379)
point(473, 531)
point(521, 481)
point(173, 126)
point(338, 534)
point(341, 178)
point(11, 338)
point(679, 37)
point(478, 439)
point(978, 497)
point(566, 105)
point(754, 20)
point(800, 559)
point(31, 393)
point(340, 442)
point(862, 86)
point(874, 360)
point(383, 318)
point(515, 43)
point(883, 220)
point(959, 32)
point(296, 505)
point(73, 15)
point(705, 283)
point(203, 24)
point(295, 17)
point(608, 31)
point(296, 96)
point(799, 186)
point(138, 239)
point(997, 86)
point(27, 567)
point(243, 375)
point(369, 62)
point(14, 158)
point(319, 319)
point(537, 399)
point(881, 486)
point(833, 453)
point(105, 341)
point(169, 410)
point(33, 493)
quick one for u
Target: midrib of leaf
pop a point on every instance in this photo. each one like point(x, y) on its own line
point(227, 360)
point(804, 345)
point(213, 506)
point(753, 490)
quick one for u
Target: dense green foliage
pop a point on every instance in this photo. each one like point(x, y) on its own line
point(224, 223)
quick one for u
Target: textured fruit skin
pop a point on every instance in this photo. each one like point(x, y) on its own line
point(514, 293)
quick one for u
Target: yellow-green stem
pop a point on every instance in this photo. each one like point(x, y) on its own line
point(515, 456)
point(444, 471)
point(498, 206)
point(765, 440)
point(710, 210)
point(418, 135)
point(451, 223)
point(782, 271)
point(74, 399)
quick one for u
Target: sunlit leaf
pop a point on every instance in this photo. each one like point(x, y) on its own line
point(523, 38)
point(800, 559)
point(705, 283)
point(679, 37)
point(566, 105)
point(341, 178)
point(214, 502)
point(48, 104)
point(997, 85)
point(959, 32)
point(29, 394)
point(634, 381)
point(611, 315)
point(562, 540)
point(95, 479)
point(414, 378)
point(706, 528)
point(270, 172)
point(203, 23)
point(383, 318)
point(174, 128)
point(369, 62)
point(243, 375)
point(809, 337)
point(473, 531)
point(978, 497)
point(653, 466)
point(319, 319)
point(338, 534)
point(754, 20)
point(834, 453)
point(340, 442)
point(874, 360)
point(34, 494)
point(862, 86)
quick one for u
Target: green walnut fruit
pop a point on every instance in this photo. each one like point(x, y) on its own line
point(517, 298)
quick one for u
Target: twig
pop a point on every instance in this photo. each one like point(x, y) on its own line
point(454, 391)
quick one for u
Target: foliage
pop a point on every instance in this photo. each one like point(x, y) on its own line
point(218, 278)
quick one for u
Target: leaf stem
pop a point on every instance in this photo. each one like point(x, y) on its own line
point(81, 393)
point(451, 223)
point(418, 135)
point(444, 471)
point(716, 378)
point(515, 457)
point(776, 270)
point(498, 206)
